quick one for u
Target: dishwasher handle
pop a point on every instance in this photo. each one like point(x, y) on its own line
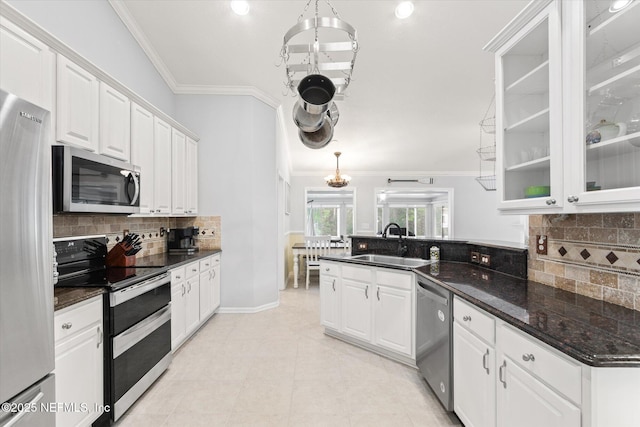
point(429, 292)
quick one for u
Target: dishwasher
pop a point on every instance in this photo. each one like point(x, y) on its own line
point(434, 339)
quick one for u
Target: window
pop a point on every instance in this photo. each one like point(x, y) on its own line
point(330, 212)
point(424, 213)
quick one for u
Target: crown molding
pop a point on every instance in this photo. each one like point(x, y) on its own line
point(227, 90)
point(530, 11)
point(127, 19)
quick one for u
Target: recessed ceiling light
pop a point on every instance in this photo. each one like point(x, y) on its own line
point(241, 7)
point(404, 10)
point(618, 5)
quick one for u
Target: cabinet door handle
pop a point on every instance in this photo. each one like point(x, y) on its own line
point(100, 337)
point(528, 357)
point(485, 358)
point(213, 274)
point(378, 294)
point(366, 292)
point(188, 287)
point(67, 325)
point(572, 199)
point(183, 289)
point(466, 318)
point(551, 202)
point(334, 285)
point(501, 376)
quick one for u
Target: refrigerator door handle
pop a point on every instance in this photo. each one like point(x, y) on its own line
point(26, 409)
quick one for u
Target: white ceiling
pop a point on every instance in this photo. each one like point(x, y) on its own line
point(420, 86)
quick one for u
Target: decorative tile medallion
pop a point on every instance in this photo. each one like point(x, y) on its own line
point(611, 257)
point(562, 251)
point(585, 254)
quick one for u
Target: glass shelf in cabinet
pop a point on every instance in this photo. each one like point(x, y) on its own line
point(532, 165)
point(534, 82)
point(538, 122)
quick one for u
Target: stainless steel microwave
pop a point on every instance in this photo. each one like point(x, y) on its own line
point(89, 182)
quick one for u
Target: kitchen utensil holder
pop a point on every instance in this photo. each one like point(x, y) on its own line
point(117, 258)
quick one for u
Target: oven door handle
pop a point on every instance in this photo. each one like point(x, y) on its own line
point(131, 292)
point(136, 333)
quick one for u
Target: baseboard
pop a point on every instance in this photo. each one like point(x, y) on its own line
point(240, 310)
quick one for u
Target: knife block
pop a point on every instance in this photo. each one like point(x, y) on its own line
point(117, 258)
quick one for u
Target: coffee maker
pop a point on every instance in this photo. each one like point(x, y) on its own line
point(181, 240)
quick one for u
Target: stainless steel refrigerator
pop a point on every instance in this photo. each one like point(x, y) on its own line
point(26, 265)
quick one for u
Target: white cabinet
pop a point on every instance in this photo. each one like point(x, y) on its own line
point(373, 306)
point(79, 353)
point(178, 308)
point(191, 179)
point(330, 287)
point(474, 380)
point(393, 311)
point(77, 115)
point(178, 171)
point(568, 108)
point(115, 123)
point(525, 401)
point(162, 167)
point(26, 66)
point(192, 315)
point(357, 288)
point(142, 154)
point(209, 286)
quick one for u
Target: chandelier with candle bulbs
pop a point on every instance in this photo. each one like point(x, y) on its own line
point(337, 180)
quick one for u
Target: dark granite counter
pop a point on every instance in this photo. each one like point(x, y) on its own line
point(64, 297)
point(594, 332)
point(173, 260)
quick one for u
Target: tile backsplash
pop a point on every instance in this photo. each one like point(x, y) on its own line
point(149, 229)
point(597, 255)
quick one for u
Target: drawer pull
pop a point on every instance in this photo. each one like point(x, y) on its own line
point(67, 325)
point(485, 357)
point(327, 269)
point(467, 318)
point(501, 377)
point(528, 357)
point(194, 269)
point(178, 277)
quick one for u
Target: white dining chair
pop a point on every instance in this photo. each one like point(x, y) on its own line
point(316, 246)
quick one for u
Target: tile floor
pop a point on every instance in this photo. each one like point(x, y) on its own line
point(277, 368)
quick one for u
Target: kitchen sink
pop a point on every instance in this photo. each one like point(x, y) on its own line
point(392, 260)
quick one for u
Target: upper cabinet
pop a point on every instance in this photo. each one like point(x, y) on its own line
point(26, 66)
point(162, 167)
point(142, 154)
point(191, 181)
point(77, 105)
point(568, 108)
point(115, 123)
point(603, 78)
point(178, 172)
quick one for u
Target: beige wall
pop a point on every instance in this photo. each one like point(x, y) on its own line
point(597, 255)
point(147, 227)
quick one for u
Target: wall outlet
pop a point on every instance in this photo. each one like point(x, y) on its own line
point(541, 244)
point(485, 260)
point(124, 233)
point(475, 257)
point(362, 246)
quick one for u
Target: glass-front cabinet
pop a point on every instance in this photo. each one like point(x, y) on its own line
point(604, 70)
point(528, 112)
point(568, 107)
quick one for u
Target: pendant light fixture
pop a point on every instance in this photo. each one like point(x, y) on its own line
point(337, 180)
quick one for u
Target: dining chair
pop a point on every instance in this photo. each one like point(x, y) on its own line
point(347, 245)
point(316, 246)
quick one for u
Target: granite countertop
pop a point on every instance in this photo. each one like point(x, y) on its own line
point(64, 297)
point(594, 332)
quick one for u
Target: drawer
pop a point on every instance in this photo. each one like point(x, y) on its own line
point(361, 274)
point(548, 364)
point(329, 269)
point(192, 269)
point(77, 317)
point(394, 279)
point(206, 264)
point(215, 260)
point(475, 320)
point(178, 274)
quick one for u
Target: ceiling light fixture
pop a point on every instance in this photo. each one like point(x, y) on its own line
point(404, 10)
point(618, 5)
point(337, 180)
point(240, 7)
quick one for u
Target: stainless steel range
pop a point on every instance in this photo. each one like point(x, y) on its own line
point(137, 314)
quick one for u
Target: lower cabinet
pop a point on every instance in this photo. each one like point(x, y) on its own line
point(375, 306)
point(79, 352)
point(195, 296)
